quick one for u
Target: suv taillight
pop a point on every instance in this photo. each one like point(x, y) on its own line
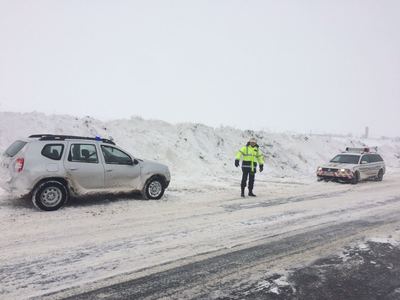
point(19, 164)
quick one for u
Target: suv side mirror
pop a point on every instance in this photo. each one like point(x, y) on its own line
point(135, 162)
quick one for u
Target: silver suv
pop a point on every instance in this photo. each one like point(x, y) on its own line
point(50, 168)
point(353, 165)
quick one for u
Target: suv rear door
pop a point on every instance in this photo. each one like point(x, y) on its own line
point(83, 166)
point(121, 171)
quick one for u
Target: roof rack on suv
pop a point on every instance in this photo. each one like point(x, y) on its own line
point(362, 150)
point(58, 137)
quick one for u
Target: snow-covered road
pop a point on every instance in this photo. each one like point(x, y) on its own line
point(90, 240)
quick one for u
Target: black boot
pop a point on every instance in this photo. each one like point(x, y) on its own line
point(242, 193)
point(251, 194)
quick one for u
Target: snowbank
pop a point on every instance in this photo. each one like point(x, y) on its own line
point(196, 151)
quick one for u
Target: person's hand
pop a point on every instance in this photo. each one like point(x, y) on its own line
point(236, 163)
point(261, 168)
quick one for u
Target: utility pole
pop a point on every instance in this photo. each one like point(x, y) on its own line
point(366, 134)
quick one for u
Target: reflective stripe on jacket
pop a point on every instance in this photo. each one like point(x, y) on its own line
point(250, 156)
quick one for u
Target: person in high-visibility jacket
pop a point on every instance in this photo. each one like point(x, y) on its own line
point(250, 155)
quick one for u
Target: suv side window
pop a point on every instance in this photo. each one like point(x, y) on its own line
point(378, 157)
point(85, 153)
point(115, 156)
point(53, 151)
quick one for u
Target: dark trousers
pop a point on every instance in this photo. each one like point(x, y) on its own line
point(248, 174)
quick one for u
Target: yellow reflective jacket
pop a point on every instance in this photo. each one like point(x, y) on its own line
point(250, 156)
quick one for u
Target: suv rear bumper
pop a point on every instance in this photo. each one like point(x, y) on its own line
point(16, 187)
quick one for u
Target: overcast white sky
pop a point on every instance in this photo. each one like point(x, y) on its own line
point(321, 66)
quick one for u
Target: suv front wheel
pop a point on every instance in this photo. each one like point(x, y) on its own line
point(50, 195)
point(154, 188)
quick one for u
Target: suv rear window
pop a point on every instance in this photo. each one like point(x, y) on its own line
point(53, 151)
point(15, 148)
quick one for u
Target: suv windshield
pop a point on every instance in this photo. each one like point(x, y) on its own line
point(15, 148)
point(346, 159)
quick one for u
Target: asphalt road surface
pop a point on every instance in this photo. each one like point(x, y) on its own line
point(240, 274)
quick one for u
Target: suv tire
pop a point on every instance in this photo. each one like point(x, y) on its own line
point(154, 188)
point(50, 195)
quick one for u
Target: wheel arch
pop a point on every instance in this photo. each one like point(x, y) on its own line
point(159, 176)
point(46, 179)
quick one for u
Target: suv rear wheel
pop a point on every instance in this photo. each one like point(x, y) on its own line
point(154, 188)
point(50, 195)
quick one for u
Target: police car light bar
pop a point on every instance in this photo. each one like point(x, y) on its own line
point(362, 150)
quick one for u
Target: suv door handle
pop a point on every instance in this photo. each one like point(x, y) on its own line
point(109, 170)
point(73, 168)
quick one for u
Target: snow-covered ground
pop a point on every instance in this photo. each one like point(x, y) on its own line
point(92, 239)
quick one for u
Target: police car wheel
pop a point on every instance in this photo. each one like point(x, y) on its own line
point(380, 175)
point(356, 178)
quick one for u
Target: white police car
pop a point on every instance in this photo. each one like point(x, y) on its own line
point(353, 165)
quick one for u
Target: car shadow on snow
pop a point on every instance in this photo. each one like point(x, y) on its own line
point(16, 202)
point(103, 199)
point(347, 181)
point(25, 202)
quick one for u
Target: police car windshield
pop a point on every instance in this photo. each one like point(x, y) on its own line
point(346, 159)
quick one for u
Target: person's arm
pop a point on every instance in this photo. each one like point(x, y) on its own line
point(238, 157)
point(260, 160)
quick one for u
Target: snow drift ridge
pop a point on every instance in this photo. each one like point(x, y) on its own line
point(195, 149)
